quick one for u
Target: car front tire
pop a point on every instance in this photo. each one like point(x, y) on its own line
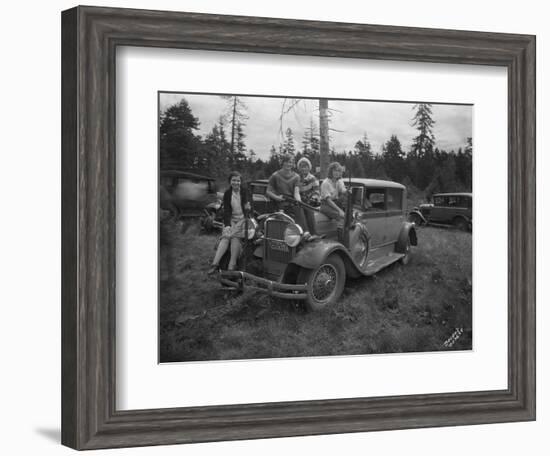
point(406, 259)
point(325, 283)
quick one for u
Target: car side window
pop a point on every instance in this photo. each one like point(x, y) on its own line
point(375, 199)
point(439, 201)
point(395, 199)
point(259, 189)
point(453, 201)
point(465, 201)
point(357, 196)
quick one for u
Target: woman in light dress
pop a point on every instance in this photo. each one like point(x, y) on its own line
point(333, 192)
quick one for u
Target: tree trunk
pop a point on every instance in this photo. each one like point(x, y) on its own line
point(323, 134)
point(233, 126)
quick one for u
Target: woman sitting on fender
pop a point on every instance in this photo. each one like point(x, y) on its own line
point(333, 191)
point(235, 204)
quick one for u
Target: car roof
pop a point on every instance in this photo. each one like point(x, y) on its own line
point(375, 183)
point(453, 194)
point(185, 174)
point(355, 180)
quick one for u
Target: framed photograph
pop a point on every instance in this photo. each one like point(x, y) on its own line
point(280, 228)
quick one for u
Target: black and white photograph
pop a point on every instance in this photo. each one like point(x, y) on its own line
point(302, 227)
point(247, 228)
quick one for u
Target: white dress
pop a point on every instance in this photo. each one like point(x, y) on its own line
point(237, 218)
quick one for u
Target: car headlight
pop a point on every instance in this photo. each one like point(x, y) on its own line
point(293, 235)
point(252, 225)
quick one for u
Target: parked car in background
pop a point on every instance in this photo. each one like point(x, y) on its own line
point(185, 194)
point(448, 209)
point(261, 204)
point(280, 261)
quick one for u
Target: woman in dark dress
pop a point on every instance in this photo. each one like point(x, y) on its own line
point(235, 204)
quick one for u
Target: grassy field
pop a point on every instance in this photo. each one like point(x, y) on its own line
point(423, 306)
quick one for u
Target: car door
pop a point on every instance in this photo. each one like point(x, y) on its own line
point(395, 202)
point(439, 211)
point(464, 208)
point(373, 215)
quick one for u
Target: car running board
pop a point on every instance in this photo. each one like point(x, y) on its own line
point(374, 266)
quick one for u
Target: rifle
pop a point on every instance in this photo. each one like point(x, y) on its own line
point(246, 215)
point(349, 211)
point(299, 203)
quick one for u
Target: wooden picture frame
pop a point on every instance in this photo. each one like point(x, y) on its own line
point(90, 36)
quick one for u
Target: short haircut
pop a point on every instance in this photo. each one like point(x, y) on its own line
point(233, 174)
point(332, 167)
point(286, 158)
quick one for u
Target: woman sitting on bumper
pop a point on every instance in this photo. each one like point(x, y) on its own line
point(235, 204)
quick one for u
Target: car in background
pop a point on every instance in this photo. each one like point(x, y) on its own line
point(447, 209)
point(185, 194)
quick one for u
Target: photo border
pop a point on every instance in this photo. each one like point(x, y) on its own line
point(90, 36)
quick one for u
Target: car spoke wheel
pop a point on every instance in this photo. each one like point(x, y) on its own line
point(324, 284)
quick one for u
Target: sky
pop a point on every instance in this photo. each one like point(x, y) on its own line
point(349, 121)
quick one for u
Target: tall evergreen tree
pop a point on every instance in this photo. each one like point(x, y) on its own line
point(178, 143)
point(363, 151)
point(310, 141)
point(422, 148)
point(274, 162)
point(425, 140)
point(464, 165)
point(363, 147)
point(288, 146)
point(217, 151)
point(236, 117)
point(238, 156)
point(394, 159)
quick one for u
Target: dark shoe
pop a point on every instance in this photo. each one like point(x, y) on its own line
point(314, 237)
point(213, 269)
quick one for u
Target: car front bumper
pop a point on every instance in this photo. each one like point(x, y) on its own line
point(240, 280)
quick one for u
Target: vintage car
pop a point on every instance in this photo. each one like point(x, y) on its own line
point(453, 209)
point(278, 260)
point(185, 194)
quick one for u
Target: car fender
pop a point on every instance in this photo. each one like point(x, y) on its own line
point(214, 206)
point(419, 213)
point(314, 253)
point(408, 232)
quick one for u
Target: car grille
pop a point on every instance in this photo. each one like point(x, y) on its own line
point(276, 249)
